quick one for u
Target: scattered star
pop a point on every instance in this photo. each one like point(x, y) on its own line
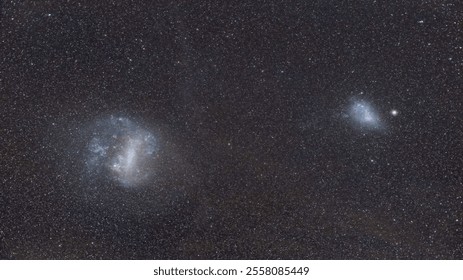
point(193, 130)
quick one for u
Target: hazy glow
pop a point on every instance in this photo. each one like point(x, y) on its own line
point(122, 150)
point(364, 115)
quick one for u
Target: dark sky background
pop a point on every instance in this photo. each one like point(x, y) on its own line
point(260, 154)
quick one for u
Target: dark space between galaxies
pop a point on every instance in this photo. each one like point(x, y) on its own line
point(231, 130)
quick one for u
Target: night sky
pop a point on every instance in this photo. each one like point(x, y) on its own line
point(231, 129)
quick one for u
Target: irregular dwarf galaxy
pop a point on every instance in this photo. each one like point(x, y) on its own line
point(231, 129)
point(364, 115)
point(121, 150)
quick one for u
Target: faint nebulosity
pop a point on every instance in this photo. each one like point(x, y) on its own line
point(231, 130)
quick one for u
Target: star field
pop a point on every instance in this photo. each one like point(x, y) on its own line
point(237, 130)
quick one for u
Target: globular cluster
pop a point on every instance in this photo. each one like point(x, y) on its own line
point(231, 130)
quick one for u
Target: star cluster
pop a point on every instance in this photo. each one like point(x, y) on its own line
point(231, 129)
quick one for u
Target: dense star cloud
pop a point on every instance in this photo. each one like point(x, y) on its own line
point(218, 130)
